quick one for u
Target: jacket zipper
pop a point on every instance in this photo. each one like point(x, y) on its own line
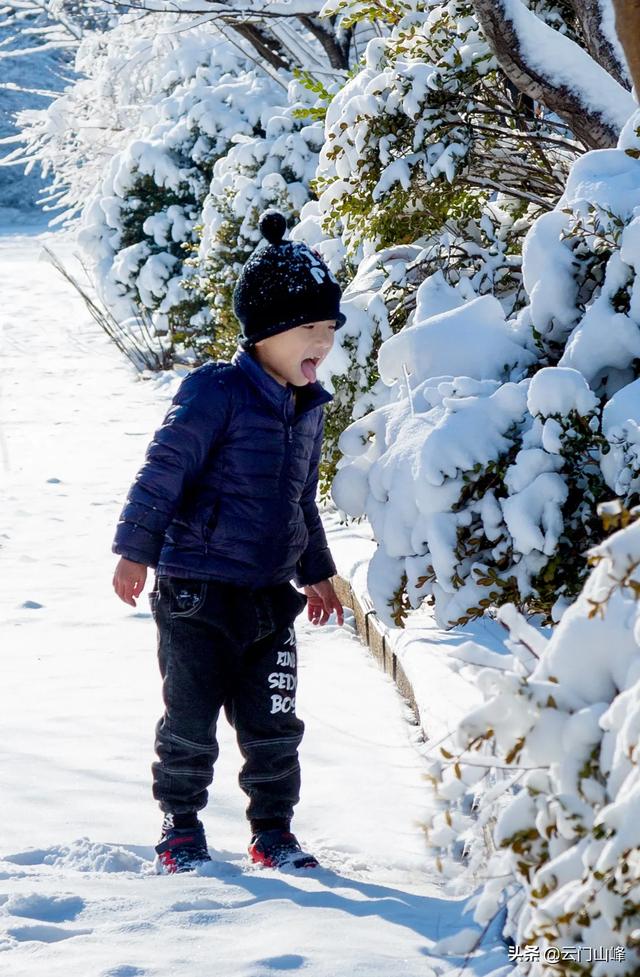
point(287, 454)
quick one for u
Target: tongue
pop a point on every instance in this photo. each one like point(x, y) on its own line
point(309, 369)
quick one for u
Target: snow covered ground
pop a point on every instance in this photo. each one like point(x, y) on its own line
point(79, 696)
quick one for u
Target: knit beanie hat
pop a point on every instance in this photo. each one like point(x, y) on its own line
point(283, 284)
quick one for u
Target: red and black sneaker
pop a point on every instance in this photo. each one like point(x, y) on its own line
point(181, 849)
point(277, 848)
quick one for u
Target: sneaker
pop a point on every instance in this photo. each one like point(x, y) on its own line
point(278, 848)
point(181, 849)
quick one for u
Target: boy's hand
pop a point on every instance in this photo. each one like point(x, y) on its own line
point(129, 580)
point(322, 600)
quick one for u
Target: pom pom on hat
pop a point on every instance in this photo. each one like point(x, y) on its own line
point(272, 225)
point(283, 285)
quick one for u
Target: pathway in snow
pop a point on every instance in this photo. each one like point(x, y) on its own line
point(79, 696)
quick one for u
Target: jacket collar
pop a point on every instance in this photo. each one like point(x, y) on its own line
point(309, 395)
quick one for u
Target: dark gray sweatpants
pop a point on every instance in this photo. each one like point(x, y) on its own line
point(220, 644)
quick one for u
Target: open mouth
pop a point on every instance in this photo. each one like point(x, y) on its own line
point(309, 367)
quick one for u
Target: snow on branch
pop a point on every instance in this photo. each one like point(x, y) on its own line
point(554, 70)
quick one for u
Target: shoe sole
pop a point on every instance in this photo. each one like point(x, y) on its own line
point(301, 862)
point(161, 869)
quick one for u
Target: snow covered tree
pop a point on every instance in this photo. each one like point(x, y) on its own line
point(426, 133)
point(279, 34)
point(428, 147)
point(226, 145)
point(578, 72)
point(417, 146)
point(73, 139)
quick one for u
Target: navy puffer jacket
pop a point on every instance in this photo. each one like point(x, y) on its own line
point(227, 490)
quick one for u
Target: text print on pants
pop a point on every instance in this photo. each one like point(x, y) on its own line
point(281, 703)
point(287, 659)
point(283, 680)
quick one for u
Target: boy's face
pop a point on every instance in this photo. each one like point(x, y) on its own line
point(293, 356)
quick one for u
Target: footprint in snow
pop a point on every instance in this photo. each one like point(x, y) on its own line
point(42, 933)
point(50, 909)
point(192, 905)
point(124, 970)
point(288, 961)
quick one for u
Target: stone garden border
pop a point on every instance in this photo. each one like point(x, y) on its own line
point(376, 636)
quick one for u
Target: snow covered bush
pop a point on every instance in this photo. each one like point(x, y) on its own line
point(161, 98)
point(146, 210)
point(428, 149)
point(374, 304)
point(175, 216)
point(559, 727)
point(382, 298)
point(482, 473)
point(426, 133)
point(271, 167)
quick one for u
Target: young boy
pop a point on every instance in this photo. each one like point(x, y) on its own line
point(224, 510)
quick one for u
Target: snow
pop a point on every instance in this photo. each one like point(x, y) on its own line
point(620, 426)
point(473, 340)
point(551, 286)
point(559, 391)
point(534, 515)
point(603, 339)
point(606, 178)
point(80, 695)
point(435, 296)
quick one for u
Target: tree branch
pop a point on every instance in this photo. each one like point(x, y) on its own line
point(600, 45)
point(337, 54)
point(555, 71)
point(262, 42)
